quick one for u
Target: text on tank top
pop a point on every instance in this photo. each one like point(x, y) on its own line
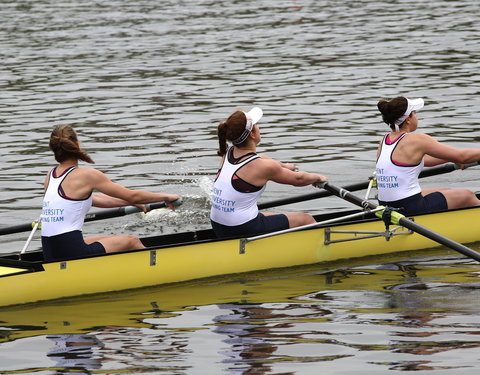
point(395, 180)
point(234, 200)
point(61, 214)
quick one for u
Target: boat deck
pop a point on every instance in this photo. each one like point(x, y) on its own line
point(33, 259)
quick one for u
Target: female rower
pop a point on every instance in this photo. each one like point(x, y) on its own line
point(402, 155)
point(68, 197)
point(242, 178)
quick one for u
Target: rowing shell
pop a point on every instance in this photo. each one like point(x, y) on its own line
point(194, 255)
point(136, 308)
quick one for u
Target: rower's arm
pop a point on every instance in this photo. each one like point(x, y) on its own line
point(431, 161)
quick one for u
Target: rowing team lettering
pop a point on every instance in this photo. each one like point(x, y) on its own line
point(221, 204)
point(52, 214)
point(386, 181)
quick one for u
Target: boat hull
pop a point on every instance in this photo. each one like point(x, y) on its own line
point(30, 281)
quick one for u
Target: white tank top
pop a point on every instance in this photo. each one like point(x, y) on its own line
point(230, 206)
point(61, 214)
point(395, 180)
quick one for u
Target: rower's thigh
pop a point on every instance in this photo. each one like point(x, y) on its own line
point(457, 198)
point(433, 190)
point(296, 219)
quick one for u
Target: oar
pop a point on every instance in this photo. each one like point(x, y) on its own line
point(306, 197)
point(127, 210)
point(93, 216)
point(399, 219)
point(427, 172)
point(30, 237)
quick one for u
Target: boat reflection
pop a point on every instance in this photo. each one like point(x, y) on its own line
point(252, 312)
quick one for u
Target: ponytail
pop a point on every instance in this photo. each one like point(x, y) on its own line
point(230, 130)
point(392, 110)
point(222, 138)
point(64, 144)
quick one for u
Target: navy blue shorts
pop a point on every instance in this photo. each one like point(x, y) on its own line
point(419, 204)
point(69, 245)
point(260, 225)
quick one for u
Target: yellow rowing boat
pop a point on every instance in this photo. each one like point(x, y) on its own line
point(195, 255)
point(136, 308)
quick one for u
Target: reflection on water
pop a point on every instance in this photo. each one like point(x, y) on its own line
point(412, 314)
point(75, 351)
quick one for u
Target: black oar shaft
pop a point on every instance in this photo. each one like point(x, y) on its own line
point(106, 214)
point(310, 196)
point(93, 216)
point(445, 241)
point(17, 228)
point(122, 211)
point(439, 169)
point(417, 228)
point(427, 172)
point(444, 168)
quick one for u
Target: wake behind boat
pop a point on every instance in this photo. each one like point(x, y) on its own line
point(194, 255)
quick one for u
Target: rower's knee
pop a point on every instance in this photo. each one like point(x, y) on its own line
point(134, 242)
point(471, 198)
point(114, 244)
point(296, 219)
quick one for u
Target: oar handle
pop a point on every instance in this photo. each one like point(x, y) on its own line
point(427, 172)
point(310, 196)
point(127, 210)
point(92, 216)
point(444, 168)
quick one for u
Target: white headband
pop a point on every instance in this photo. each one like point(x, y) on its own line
point(413, 105)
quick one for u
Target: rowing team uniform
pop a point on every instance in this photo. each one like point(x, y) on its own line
point(234, 209)
point(398, 184)
point(62, 222)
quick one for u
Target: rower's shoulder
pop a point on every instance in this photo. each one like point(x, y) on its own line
point(262, 166)
point(87, 172)
point(421, 137)
point(267, 161)
point(84, 170)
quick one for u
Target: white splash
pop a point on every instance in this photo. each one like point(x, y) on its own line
point(159, 214)
point(206, 185)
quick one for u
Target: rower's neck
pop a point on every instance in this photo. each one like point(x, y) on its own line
point(239, 151)
point(64, 165)
point(395, 135)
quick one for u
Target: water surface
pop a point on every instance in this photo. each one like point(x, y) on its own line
point(146, 82)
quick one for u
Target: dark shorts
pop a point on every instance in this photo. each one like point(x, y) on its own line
point(418, 204)
point(260, 225)
point(69, 245)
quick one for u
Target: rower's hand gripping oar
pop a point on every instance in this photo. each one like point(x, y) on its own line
point(127, 210)
point(427, 172)
point(399, 219)
point(92, 216)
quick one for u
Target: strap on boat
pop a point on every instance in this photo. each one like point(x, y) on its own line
point(387, 214)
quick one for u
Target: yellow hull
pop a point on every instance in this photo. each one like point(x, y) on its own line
point(134, 308)
point(196, 260)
